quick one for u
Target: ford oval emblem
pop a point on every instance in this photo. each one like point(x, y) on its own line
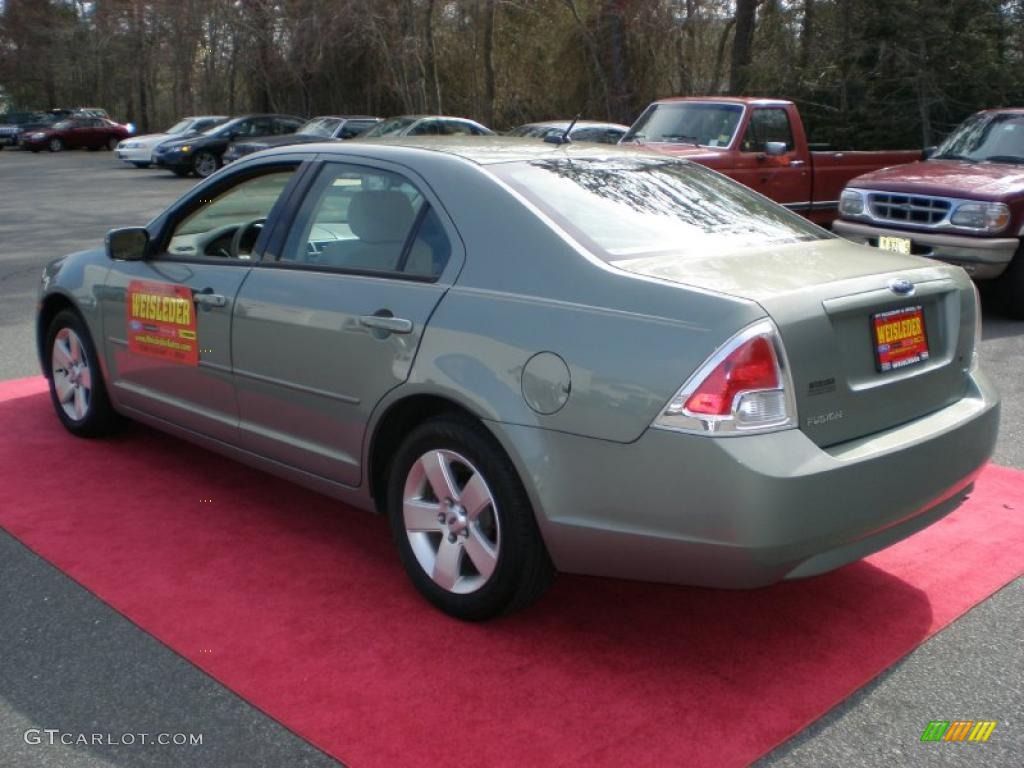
point(901, 286)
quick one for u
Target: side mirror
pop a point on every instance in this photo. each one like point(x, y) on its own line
point(928, 152)
point(128, 244)
point(775, 148)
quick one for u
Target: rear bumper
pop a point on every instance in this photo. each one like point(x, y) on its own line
point(984, 258)
point(747, 511)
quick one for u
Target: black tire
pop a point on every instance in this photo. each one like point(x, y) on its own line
point(99, 417)
point(34, 151)
point(112, 143)
point(55, 145)
point(182, 172)
point(205, 164)
point(1008, 288)
point(522, 570)
point(141, 165)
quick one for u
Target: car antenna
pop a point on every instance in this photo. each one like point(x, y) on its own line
point(564, 137)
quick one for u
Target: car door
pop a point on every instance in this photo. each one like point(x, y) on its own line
point(325, 327)
point(167, 318)
point(784, 178)
point(79, 134)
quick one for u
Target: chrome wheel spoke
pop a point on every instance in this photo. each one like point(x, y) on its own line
point(447, 563)
point(65, 389)
point(481, 552)
point(421, 516)
point(475, 496)
point(80, 404)
point(74, 348)
point(61, 355)
point(439, 475)
point(85, 378)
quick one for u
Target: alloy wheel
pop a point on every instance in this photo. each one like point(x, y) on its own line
point(451, 521)
point(205, 164)
point(72, 376)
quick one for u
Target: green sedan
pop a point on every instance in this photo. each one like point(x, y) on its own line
point(537, 358)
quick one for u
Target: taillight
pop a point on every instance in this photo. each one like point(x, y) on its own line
point(743, 387)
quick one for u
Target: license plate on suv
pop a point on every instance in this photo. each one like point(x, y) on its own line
point(894, 244)
point(899, 338)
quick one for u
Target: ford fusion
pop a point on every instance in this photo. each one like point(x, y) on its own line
point(537, 358)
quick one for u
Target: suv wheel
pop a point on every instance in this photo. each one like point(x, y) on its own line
point(205, 163)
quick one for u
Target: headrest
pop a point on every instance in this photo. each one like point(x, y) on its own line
point(380, 216)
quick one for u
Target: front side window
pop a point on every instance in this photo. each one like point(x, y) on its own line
point(227, 224)
point(767, 124)
point(367, 220)
point(624, 208)
point(687, 122)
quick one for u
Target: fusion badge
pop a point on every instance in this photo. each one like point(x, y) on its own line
point(162, 321)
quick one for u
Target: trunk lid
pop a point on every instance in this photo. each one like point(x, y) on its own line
point(823, 297)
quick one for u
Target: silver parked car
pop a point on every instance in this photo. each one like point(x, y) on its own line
point(535, 358)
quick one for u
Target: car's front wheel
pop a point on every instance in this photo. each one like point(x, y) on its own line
point(56, 145)
point(205, 164)
point(76, 382)
point(464, 526)
point(112, 143)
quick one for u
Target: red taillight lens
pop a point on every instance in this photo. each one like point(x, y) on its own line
point(751, 366)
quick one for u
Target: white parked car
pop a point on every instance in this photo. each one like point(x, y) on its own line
point(138, 150)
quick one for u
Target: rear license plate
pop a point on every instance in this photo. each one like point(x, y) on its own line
point(900, 338)
point(894, 244)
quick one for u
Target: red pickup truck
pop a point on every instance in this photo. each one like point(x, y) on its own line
point(761, 143)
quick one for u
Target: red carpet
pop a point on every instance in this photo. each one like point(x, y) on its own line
point(308, 615)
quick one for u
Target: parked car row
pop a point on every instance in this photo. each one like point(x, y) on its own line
point(962, 203)
point(39, 130)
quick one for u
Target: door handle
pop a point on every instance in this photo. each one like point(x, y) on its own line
point(386, 323)
point(795, 163)
point(209, 299)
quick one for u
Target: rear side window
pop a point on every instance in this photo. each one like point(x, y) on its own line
point(767, 124)
point(624, 208)
point(368, 220)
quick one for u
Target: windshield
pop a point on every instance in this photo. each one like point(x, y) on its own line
point(688, 122)
point(321, 126)
point(628, 207)
point(180, 127)
point(390, 127)
point(986, 138)
point(221, 129)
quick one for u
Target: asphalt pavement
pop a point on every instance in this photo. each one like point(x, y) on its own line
point(70, 662)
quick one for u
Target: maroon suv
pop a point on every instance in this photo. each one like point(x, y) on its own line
point(80, 131)
point(964, 205)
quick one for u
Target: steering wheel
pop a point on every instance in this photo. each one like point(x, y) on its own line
point(246, 236)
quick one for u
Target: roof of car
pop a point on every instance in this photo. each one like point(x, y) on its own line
point(748, 100)
point(563, 124)
point(482, 150)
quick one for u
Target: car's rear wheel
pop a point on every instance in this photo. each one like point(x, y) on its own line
point(141, 165)
point(55, 145)
point(77, 390)
point(205, 163)
point(464, 526)
point(1008, 288)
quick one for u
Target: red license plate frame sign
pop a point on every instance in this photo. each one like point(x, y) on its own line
point(900, 338)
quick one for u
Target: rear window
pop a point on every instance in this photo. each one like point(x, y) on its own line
point(628, 207)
